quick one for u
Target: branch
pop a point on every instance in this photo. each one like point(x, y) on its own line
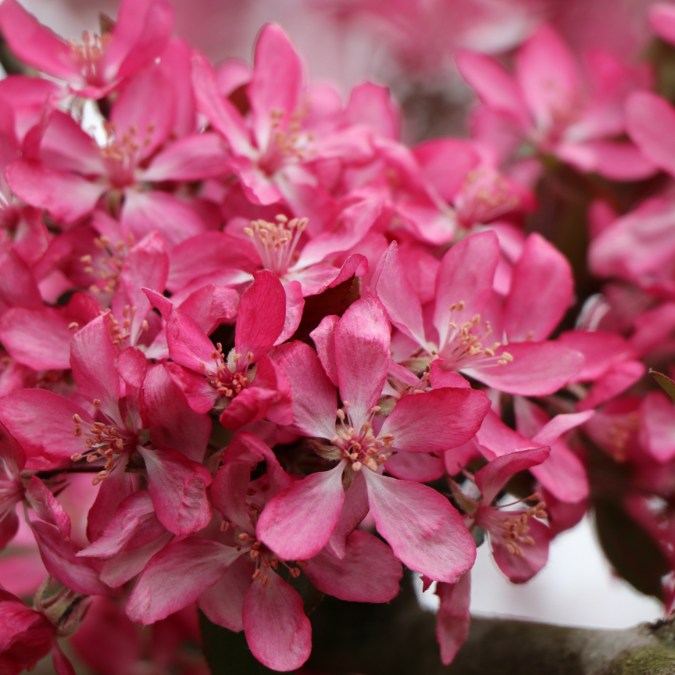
point(398, 639)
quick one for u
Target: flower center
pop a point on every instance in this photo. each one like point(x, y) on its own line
point(361, 447)
point(484, 196)
point(276, 241)
point(467, 343)
point(107, 266)
point(102, 442)
point(122, 152)
point(88, 56)
point(229, 376)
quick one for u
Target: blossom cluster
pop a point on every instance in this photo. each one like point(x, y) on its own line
point(251, 337)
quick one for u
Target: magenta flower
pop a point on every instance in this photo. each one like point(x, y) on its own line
point(99, 63)
point(422, 528)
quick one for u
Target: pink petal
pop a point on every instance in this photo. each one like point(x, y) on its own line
point(220, 112)
point(662, 20)
point(492, 477)
point(531, 314)
point(189, 158)
point(276, 83)
point(93, 358)
point(223, 603)
point(67, 197)
point(354, 510)
point(465, 276)
point(351, 578)
point(175, 219)
point(436, 421)
point(141, 32)
point(521, 568)
point(548, 75)
point(298, 522)
point(651, 124)
point(178, 489)
point(251, 334)
point(59, 556)
point(277, 631)
point(617, 160)
point(494, 85)
point(177, 576)
point(314, 397)
point(537, 369)
point(398, 296)
point(171, 422)
point(362, 357)
point(47, 439)
point(37, 338)
point(658, 428)
point(453, 617)
point(35, 44)
point(425, 532)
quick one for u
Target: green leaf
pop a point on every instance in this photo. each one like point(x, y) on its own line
point(665, 382)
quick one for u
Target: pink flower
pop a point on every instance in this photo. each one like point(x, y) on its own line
point(420, 525)
point(499, 341)
point(548, 103)
point(97, 65)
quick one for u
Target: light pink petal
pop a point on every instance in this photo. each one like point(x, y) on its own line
point(651, 124)
point(18, 287)
point(436, 421)
point(276, 83)
point(492, 477)
point(537, 369)
point(277, 631)
point(136, 112)
point(563, 474)
point(223, 116)
point(617, 160)
point(398, 296)
point(372, 105)
point(354, 510)
point(548, 75)
point(466, 275)
point(446, 163)
point(351, 578)
point(453, 617)
point(175, 219)
point(35, 44)
point(314, 396)
point(298, 522)
point(178, 489)
point(141, 32)
point(425, 532)
point(416, 466)
point(261, 316)
point(67, 197)
point(659, 427)
point(189, 158)
point(362, 357)
point(600, 348)
point(223, 603)
point(177, 576)
point(493, 84)
point(533, 314)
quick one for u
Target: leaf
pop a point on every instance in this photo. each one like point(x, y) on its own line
point(629, 548)
point(665, 382)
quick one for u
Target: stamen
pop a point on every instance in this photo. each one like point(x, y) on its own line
point(276, 241)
